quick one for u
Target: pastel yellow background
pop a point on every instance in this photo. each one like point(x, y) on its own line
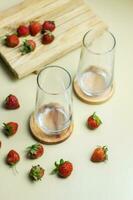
point(112, 180)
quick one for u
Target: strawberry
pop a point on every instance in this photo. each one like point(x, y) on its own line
point(93, 121)
point(36, 173)
point(35, 28)
point(23, 31)
point(48, 26)
point(12, 40)
point(47, 38)
point(35, 151)
point(63, 169)
point(12, 158)
point(28, 46)
point(99, 154)
point(10, 128)
point(11, 102)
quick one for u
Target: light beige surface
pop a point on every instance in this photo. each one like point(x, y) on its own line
point(112, 180)
point(72, 18)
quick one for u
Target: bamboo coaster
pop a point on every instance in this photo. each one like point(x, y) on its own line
point(93, 100)
point(42, 137)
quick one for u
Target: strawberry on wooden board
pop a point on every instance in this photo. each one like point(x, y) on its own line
point(35, 28)
point(63, 168)
point(27, 46)
point(11, 102)
point(12, 158)
point(35, 151)
point(10, 128)
point(47, 38)
point(93, 121)
point(23, 31)
point(48, 26)
point(12, 40)
point(36, 173)
point(99, 154)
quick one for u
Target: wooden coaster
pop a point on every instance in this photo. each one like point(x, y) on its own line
point(42, 137)
point(93, 100)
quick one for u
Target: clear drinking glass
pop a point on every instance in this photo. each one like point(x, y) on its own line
point(96, 65)
point(53, 112)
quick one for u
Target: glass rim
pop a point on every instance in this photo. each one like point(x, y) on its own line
point(97, 53)
point(54, 66)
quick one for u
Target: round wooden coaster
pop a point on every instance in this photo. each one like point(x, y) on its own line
point(93, 100)
point(42, 137)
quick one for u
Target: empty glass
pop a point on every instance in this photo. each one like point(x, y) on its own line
point(96, 66)
point(53, 112)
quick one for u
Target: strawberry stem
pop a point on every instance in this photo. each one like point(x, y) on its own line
point(105, 152)
point(105, 148)
point(55, 170)
point(61, 161)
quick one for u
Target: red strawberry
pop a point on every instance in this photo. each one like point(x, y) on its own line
point(47, 38)
point(12, 158)
point(93, 121)
point(10, 128)
point(11, 102)
point(63, 169)
point(36, 173)
point(35, 28)
point(23, 31)
point(12, 40)
point(28, 46)
point(99, 154)
point(48, 25)
point(35, 151)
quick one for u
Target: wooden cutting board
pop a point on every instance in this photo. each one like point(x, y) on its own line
point(72, 18)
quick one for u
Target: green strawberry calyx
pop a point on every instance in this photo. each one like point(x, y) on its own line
point(26, 48)
point(57, 165)
point(12, 164)
point(8, 129)
point(33, 149)
point(36, 172)
point(96, 118)
point(105, 149)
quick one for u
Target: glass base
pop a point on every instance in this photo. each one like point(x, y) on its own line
point(52, 118)
point(42, 137)
point(94, 81)
point(93, 99)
